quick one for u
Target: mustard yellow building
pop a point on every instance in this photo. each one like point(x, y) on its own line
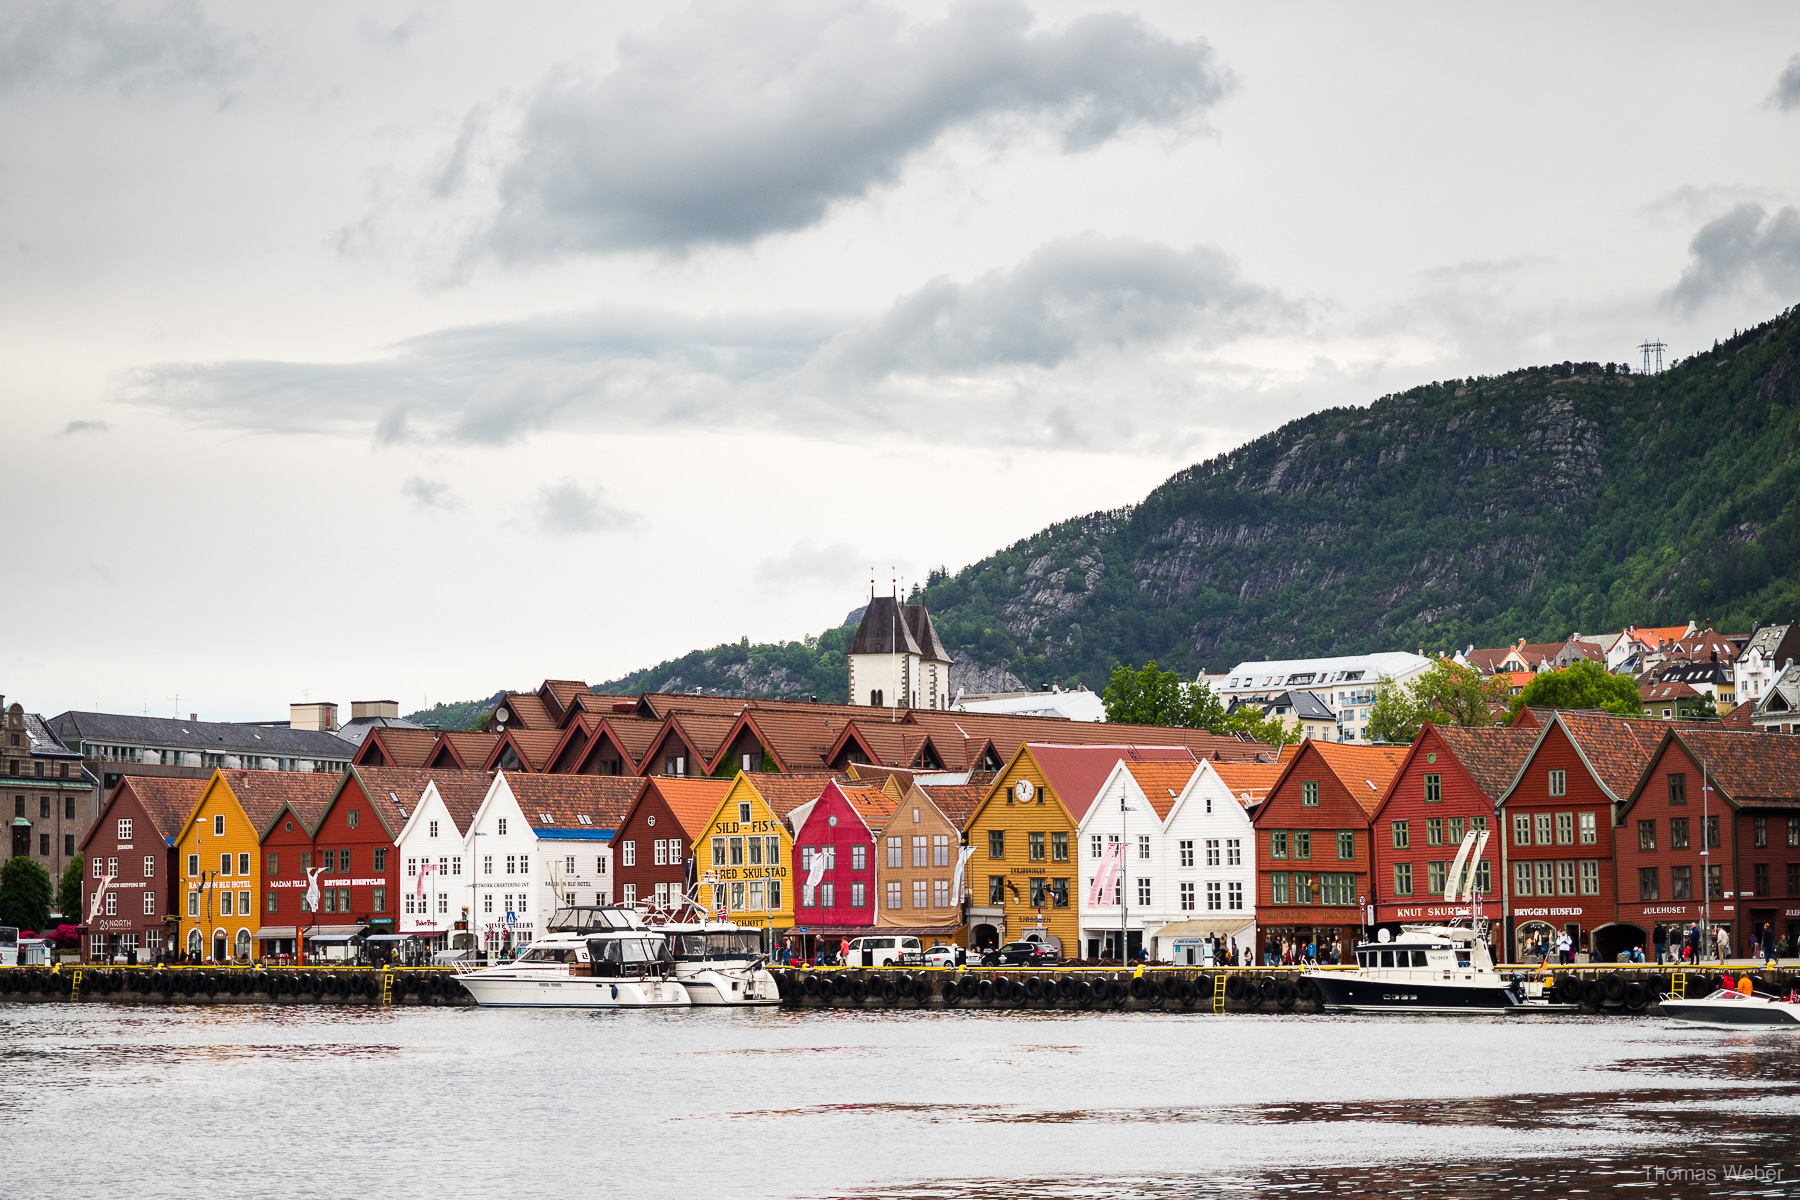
point(744, 857)
point(1023, 873)
point(219, 855)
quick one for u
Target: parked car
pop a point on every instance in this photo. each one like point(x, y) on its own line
point(940, 955)
point(880, 951)
point(1024, 954)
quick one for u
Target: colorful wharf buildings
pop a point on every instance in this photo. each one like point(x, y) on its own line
point(1600, 828)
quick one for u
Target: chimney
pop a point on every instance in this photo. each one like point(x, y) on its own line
point(193, 716)
point(318, 716)
point(364, 709)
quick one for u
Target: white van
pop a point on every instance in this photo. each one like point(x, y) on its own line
point(882, 951)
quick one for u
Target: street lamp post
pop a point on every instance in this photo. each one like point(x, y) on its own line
point(1124, 857)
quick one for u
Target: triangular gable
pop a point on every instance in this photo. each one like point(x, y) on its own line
point(569, 749)
point(746, 721)
point(672, 731)
point(605, 738)
point(851, 737)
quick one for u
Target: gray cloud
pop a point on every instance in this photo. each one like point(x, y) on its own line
point(431, 494)
point(1052, 350)
point(806, 563)
point(75, 427)
point(1745, 247)
point(732, 121)
point(1071, 296)
point(95, 44)
point(1787, 87)
point(565, 507)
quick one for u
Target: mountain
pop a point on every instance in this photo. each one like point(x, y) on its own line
point(1549, 500)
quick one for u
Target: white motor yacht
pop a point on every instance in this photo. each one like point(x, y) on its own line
point(721, 964)
point(1733, 1009)
point(597, 957)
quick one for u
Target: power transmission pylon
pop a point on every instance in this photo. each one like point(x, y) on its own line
point(1653, 351)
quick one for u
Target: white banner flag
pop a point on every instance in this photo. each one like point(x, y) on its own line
point(818, 868)
point(962, 860)
point(312, 887)
point(99, 895)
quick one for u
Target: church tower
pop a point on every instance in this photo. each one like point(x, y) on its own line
point(897, 659)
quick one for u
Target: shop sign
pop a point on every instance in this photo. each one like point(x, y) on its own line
point(1547, 912)
point(1666, 910)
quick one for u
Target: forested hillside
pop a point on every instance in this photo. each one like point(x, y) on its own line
point(1551, 499)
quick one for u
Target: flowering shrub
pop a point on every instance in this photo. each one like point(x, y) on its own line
point(65, 937)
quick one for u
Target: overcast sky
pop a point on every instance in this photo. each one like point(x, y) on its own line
point(360, 351)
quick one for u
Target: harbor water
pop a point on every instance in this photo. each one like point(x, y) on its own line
point(250, 1101)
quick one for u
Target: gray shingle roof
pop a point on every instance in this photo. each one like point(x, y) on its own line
point(216, 737)
point(43, 742)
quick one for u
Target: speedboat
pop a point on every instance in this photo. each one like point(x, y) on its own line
point(590, 957)
point(1728, 1007)
point(1426, 969)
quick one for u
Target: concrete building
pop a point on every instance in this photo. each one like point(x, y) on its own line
point(51, 797)
point(1345, 684)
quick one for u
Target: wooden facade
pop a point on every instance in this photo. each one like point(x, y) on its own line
point(654, 856)
point(130, 844)
point(917, 848)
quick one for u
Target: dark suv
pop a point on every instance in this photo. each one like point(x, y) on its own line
point(1024, 954)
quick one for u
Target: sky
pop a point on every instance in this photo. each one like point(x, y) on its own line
point(382, 351)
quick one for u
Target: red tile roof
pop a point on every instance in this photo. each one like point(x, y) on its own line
point(401, 747)
point(1162, 782)
point(1249, 782)
point(1492, 755)
point(462, 793)
point(1365, 771)
point(956, 800)
point(1077, 773)
point(263, 794)
point(785, 793)
point(1615, 748)
point(691, 801)
point(472, 748)
point(565, 799)
point(167, 802)
point(1749, 768)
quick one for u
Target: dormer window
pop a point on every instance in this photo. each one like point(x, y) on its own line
point(547, 818)
point(582, 817)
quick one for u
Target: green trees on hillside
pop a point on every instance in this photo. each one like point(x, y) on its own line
point(24, 894)
point(1583, 685)
point(1446, 693)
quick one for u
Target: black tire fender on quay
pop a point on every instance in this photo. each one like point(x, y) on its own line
point(1034, 988)
point(1085, 992)
point(1636, 996)
point(1252, 994)
point(1140, 988)
point(1234, 987)
point(859, 991)
point(1119, 991)
point(1187, 993)
point(1592, 993)
point(984, 991)
point(810, 985)
point(904, 985)
point(1306, 990)
point(1614, 987)
point(1284, 994)
point(1067, 986)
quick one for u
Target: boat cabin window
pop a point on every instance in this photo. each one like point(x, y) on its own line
point(690, 946)
point(548, 954)
point(587, 919)
point(1418, 958)
point(627, 951)
point(1462, 957)
point(1387, 958)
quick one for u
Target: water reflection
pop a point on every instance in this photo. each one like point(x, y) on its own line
point(921, 1106)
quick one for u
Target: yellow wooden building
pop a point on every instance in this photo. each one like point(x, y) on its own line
point(744, 857)
point(1022, 876)
point(219, 855)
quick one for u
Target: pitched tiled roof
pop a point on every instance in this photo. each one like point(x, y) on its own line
point(393, 791)
point(563, 692)
point(785, 793)
point(602, 799)
point(462, 793)
point(1162, 782)
point(632, 734)
point(1365, 771)
point(1249, 781)
point(400, 747)
point(956, 800)
point(692, 801)
point(166, 801)
point(1667, 690)
point(213, 737)
point(1749, 768)
point(884, 629)
point(1739, 717)
point(870, 802)
point(524, 711)
point(262, 794)
point(534, 747)
point(1077, 773)
point(1615, 747)
point(1492, 755)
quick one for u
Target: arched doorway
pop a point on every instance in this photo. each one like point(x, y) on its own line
point(1610, 941)
point(218, 952)
point(242, 949)
point(195, 943)
point(1533, 941)
point(984, 937)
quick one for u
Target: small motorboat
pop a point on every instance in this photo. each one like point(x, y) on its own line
point(1730, 1008)
point(599, 957)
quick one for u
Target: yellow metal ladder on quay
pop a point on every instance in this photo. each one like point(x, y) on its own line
point(1678, 985)
point(75, 986)
point(387, 989)
point(1218, 993)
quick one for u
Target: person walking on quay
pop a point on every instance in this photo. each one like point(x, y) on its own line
point(1768, 945)
point(1565, 948)
point(1722, 942)
point(1660, 937)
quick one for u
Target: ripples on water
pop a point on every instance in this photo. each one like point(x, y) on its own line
point(97, 1100)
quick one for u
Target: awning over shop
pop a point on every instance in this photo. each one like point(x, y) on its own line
point(835, 931)
point(333, 934)
point(394, 937)
point(919, 931)
point(1204, 929)
point(272, 933)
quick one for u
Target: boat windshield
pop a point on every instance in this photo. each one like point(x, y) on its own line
point(547, 954)
point(9, 935)
point(591, 919)
point(735, 944)
point(625, 951)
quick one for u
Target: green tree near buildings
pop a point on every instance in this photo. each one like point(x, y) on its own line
point(1150, 695)
point(1445, 693)
point(1584, 685)
point(24, 894)
point(68, 893)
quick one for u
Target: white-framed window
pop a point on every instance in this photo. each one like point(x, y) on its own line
point(756, 894)
point(630, 894)
point(443, 903)
point(737, 894)
point(225, 904)
point(244, 902)
point(1143, 893)
point(149, 866)
point(1235, 895)
point(940, 850)
point(827, 895)
point(893, 853)
point(500, 826)
point(1234, 852)
point(487, 902)
point(112, 867)
point(569, 867)
point(662, 895)
point(1589, 833)
point(456, 865)
point(218, 824)
point(124, 829)
point(99, 871)
point(919, 845)
point(919, 893)
point(149, 903)
point(1095, 844)
point(1212, 898)
point(858, 894)
point(431, 828)
point(940, 893)
point(193, 904)
point(112, 903)
point(511, 859)
point(1187, 891)
point(412, 868)
point(1187, 852)
point(660, 853)
point(893, 893)
point(1144, 847)
point(859, 855)
point(1212, 852)
point(487, 864)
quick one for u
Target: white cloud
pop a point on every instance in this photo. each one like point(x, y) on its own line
point(75, 427)
point(132, 48)
point(731, 121)
point(566, 507)
point(1787, 86)
point(430, 494)
point(806, 564)
point(1744, 248)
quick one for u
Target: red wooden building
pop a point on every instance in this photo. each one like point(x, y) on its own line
point(131, 843)
point(653, 850)
point(1312, 842)
point(1447, 786)
point(1557, 820)
point(834, 856)
point(1711, 833)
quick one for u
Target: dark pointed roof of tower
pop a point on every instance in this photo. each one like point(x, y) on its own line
point(924, 632)
point(886, 629)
